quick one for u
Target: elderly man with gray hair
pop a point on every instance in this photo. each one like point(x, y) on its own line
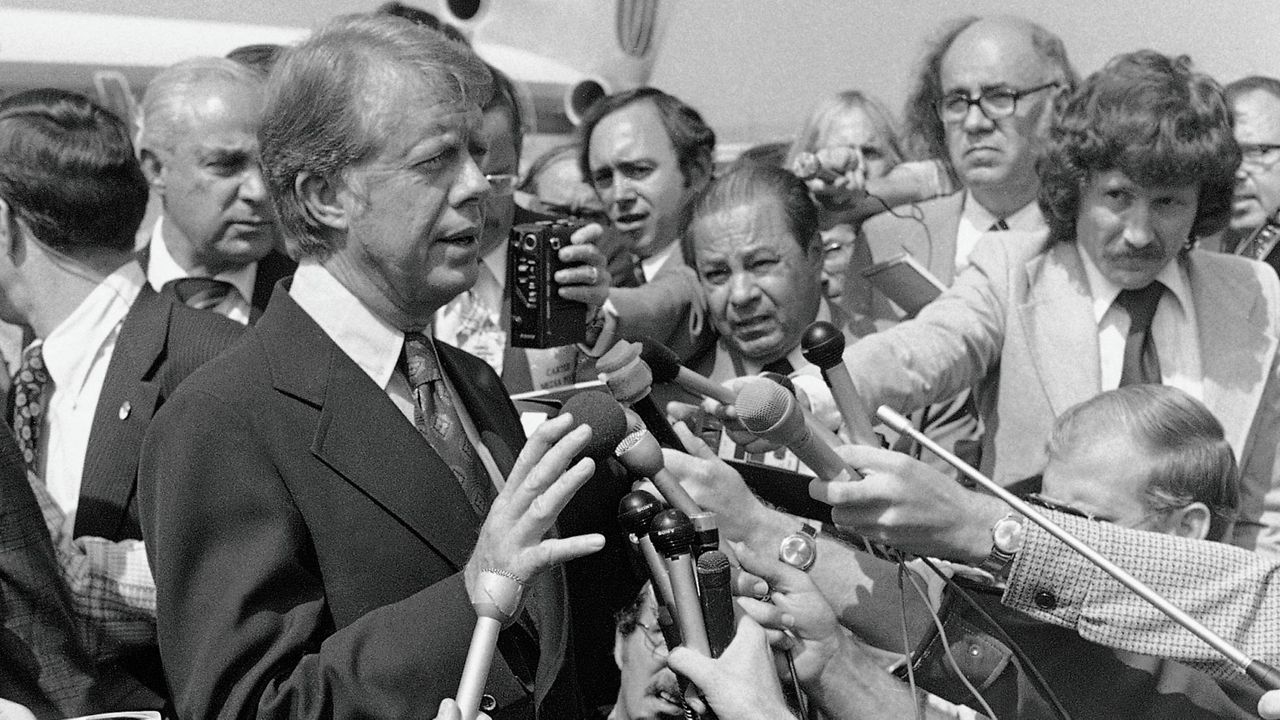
point(199, 150)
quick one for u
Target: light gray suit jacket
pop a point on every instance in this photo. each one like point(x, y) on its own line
point(1018, 327)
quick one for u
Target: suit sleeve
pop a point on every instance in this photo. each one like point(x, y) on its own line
point(953, 343)
point(243, 624)
point(669, 306)
point(1052, 583)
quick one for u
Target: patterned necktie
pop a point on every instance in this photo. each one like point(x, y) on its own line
point(1141, 363)
point(437, 419)
point(29, 403)
point(203, 293)
point(998, 226)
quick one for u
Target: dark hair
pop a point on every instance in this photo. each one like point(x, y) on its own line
point(755, 184)
point(426, 19)
point(924, 136)
point(68, 170)
point(504, 98)
point(1194, 461)
point(326, 98)
point(694, 141)
point(768, 153)
point(260, 58)
point(1151, 117)
point(1262, 83)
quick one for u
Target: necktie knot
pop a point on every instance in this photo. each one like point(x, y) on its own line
point(202, 293)
point(998, 226)
point(1141, 305)
point(421, 366)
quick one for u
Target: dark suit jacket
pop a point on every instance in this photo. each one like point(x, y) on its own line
point(271, 269)
point(308, 543)
point(161, 342)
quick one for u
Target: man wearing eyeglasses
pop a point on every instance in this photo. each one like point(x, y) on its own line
point(1255, 211)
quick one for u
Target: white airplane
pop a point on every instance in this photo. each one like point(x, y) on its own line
point(563, 54)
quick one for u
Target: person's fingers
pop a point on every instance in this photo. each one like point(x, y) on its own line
point(768, 615)
point(694, 665)
point(1269, 705)
point(586, 234)
point(547, 434)
point(554, 551)
point(693, 445)
point(549, 466)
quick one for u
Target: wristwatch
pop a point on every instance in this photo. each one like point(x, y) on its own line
point(1007, 536)
point(800, 548)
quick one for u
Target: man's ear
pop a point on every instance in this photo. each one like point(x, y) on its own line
point(11, 244)
point(699, 174)
point(327, 201)
point(618, 640)
point(1191, 521)
point(152, 168)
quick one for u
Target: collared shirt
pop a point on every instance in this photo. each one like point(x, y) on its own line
point(1174, 329)
point(372, 343)
point(976, 220)
point(652, 264)
point(161, 268)
point(77, 353)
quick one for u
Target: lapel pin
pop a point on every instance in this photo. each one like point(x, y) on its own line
point(125, 409)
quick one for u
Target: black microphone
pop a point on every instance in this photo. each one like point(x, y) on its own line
point(767, 410)
point(636, 511)
point(640, 454)
point(598, 410)
point(717, 599)
point(672, 534)
point(706, 532)
point(630, 380)
point(823, 345)
point(666, 367)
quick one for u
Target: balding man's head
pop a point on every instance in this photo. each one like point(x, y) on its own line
point(1017, 68)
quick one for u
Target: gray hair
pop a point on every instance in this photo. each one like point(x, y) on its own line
point(166, 105)
point(326, 99)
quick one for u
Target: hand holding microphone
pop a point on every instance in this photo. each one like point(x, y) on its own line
point(823, 345)
point(630, 381)
point(513, 546)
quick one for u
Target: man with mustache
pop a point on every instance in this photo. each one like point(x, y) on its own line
point(1255, 211)
point(1116, 294)
point(199, 149)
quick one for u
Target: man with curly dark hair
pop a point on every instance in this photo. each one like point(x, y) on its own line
point(1139, 165)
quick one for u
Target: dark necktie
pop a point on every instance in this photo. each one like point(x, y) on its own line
point(782, 366)
point(1141, 364)
point(998, 226)
point(202, 293)
point(437, 419)
point(637, 269)
point(29, 403)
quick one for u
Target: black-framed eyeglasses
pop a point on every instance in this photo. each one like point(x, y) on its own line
point(996, 103)
point(1262, 155)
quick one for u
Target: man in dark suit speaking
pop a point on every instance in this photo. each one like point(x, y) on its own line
point(320, 500)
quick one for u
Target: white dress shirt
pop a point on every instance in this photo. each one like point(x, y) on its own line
point(372, 343)
point(77, 353)
point(652, 264)
point(975, 221)
point(161, 268)
point(1174, 329)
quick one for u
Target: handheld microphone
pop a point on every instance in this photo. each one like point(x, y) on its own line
point(639, 453)
point(766, 409)
point(498, 601)
point(604, 415)
point(1263, 674)
point(666, 367)
point(815, 426)
point(630, 381)
point(672, 534)
point(706, 533)
point(823, 345)
point(717, 599)
point(636, 511)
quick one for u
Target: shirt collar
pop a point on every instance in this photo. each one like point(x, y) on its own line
point(365, 337)
point(72, 347)
point(653, 263)
point(1028, 218)
point(161, 267)
point(1104, 291)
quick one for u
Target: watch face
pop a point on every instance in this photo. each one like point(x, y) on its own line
point(798, 551)
point(1008, 535)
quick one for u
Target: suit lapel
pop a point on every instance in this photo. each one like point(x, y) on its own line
point(125, 407)
point(362, 436)
point(487, 405)
point(1237, 347)
point(943, 229)
point(1057, 319)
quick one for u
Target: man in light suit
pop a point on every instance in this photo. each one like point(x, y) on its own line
point(648, 155)
point(319, 500)
point(982, 104)
point(107, 349)
point(1113, 295)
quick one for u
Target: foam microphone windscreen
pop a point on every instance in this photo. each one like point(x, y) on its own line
point(662, 360)
point(605, 417)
